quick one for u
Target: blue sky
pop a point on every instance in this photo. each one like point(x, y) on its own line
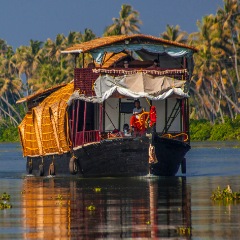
point(22, 20)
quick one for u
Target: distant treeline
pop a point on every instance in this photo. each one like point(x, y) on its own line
point(200, 130)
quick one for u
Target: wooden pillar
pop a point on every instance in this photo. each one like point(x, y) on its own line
point(72, 124)
point(76, 122)
point(84, 121)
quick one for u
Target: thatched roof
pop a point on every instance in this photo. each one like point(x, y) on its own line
point(106, 41)
point(44, 129)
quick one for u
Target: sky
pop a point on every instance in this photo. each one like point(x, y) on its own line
point(22, 20)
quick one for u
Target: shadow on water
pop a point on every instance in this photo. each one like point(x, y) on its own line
point(106, 208)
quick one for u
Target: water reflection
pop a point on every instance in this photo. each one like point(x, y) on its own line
point(128, 208)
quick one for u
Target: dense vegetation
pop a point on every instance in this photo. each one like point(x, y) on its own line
point(215, 84)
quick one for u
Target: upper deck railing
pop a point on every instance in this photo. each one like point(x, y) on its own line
point(84, 78)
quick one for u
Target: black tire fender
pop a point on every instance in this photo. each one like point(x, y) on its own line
point(41, 170)
point(51, 170)
point(73, 165)
point(29, 167)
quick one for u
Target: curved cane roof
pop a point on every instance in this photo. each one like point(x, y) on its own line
point(106, 41)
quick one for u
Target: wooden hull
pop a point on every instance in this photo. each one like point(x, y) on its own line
point(116, 158)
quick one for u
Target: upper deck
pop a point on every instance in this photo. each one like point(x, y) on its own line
point(108, 54)
point(84, 78)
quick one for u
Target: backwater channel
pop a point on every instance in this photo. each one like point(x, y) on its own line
point(123, 208)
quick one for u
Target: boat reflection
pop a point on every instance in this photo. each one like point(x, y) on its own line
point(60, 208)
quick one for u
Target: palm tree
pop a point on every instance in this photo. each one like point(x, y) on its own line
point(127, 23)
point(27, 60)
point(174, 34)
point(87, 35)
point(229, 18)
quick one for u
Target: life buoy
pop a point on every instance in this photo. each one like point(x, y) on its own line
point(51, 170)
point(73, 165)
point(141, 121)
point(41, 170)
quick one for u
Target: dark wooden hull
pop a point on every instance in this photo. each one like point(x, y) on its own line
point(115, 158)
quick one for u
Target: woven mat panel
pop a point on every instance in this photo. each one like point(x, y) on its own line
point(54, 133)
point(44, 130)
point(29, 139)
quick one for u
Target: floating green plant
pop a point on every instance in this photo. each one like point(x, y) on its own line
point(91, 207)
point(59, 197)
point(97, 189)
point(5, 196)
point(4, 201)
point(225, 194)
point(184, 230)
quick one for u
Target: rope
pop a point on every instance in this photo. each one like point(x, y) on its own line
point(148, 102)
point(171, 136)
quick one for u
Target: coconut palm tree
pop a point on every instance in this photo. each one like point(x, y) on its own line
point(229, 19)
point(127, 23)
point(27, 60)
point(174, 34)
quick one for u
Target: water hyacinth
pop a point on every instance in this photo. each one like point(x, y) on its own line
point(225, 194)
point(4, 201)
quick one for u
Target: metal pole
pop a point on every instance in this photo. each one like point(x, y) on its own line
point(166, 115)
point(119, 114)
point(100, 117)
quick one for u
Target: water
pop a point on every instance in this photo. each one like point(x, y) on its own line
point(123, 208)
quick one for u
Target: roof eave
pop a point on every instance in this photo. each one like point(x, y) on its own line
point(73, 51)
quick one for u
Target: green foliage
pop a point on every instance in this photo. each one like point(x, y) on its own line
point(202, 130)
point(4, 201)
point(225, 195)
point(8, 133)
point(221, 131)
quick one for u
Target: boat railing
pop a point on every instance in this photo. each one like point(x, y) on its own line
point(84, 78)
point(84, 137)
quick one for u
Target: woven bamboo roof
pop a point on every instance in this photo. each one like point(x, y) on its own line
point(106, 41)
point(44, 130)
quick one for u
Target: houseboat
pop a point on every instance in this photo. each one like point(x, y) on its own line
point(126, 113)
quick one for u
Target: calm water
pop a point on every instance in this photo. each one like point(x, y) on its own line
point(126, 208)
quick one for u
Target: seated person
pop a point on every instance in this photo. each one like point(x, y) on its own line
point(126, 130)
point(155, 65)
point(134, 118)
point(126, 64)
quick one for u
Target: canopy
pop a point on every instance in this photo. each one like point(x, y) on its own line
point(139, 85)
point(172, 51)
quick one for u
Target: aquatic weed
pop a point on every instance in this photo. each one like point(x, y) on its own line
point(225, 194)
point(4, 201)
